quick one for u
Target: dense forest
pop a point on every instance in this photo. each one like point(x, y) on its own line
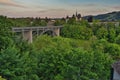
point(84, 51)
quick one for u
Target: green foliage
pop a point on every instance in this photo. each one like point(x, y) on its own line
point(111, 35)
point(105, 30)
point(102, 65)
point(81, 44)
point(5, 22)
point(27, 22)
point(73, 64)
point(21, 22)
point(17, 65)
point(59, 42)
point(43, 23)
point(71, 21)
point(67, 59)
point(117, 40)
point(38, 22)
point(5, 32)
point(83, 23)
point(107, 48)
point(99, 45)
point(102, 33)
point(76, 31)
point(2, 78)
point(113, 50)
point(59, 22)
point(43, 42)
point(117, 30)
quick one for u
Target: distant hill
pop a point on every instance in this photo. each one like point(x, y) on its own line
point(113, 16)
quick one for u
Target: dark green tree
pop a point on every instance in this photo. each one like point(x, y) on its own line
point(111, 35)
point(117, 40)
point(102, 33)
point(5, 32)
point(76, 31)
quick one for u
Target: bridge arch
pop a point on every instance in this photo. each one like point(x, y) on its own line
point(49, 32)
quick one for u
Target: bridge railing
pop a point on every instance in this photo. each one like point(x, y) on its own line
point(19, 29)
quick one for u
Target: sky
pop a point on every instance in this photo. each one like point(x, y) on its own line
point(56, 8)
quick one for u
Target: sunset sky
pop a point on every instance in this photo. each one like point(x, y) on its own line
point(56, 8)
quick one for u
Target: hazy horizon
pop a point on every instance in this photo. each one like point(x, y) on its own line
point(56, 8)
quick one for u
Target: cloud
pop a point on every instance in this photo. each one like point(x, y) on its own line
point(116, 7)
point(90, 5)
point(52, 13)
point(10, 3)
point(53, 10)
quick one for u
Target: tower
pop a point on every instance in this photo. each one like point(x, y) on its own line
point(76, 13)
point(76, 16)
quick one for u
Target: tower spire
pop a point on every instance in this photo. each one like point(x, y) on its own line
point(76, 13)
point(76, 16)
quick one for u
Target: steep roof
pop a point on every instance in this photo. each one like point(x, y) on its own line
point(116, 67)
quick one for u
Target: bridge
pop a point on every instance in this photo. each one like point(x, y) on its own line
point(28, 32)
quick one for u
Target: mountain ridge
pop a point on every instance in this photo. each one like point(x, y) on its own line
point(111, 16)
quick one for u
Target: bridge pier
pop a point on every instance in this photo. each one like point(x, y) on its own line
point(57, 31)
point(27, 35)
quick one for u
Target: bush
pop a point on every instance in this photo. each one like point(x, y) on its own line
point(73, 64)
point(117, 40)
point(2, 78)
point(76, 31)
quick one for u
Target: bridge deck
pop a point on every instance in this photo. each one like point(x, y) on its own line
point(19, 29)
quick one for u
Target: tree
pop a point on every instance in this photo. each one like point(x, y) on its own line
point(99, 45)
point(43, 42)
point(79, 16)
point(16, 64)
point(113, 50)
point(90, 19)
point(117, 30)
point(117, 40)
point(67, 62)
point(46, 19)
point(2, 78)
point(73, 64)
point(111, 35)
point(43, 23)
point(18, 61)
point(59, 22)
point(102, 33)
point(103, 46)
point(5, 32)
point(102, 65)
point(76, 31)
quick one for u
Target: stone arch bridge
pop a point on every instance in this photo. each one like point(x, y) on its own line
point(28, 32)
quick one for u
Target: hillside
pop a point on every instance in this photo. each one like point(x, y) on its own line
point(113, 16)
